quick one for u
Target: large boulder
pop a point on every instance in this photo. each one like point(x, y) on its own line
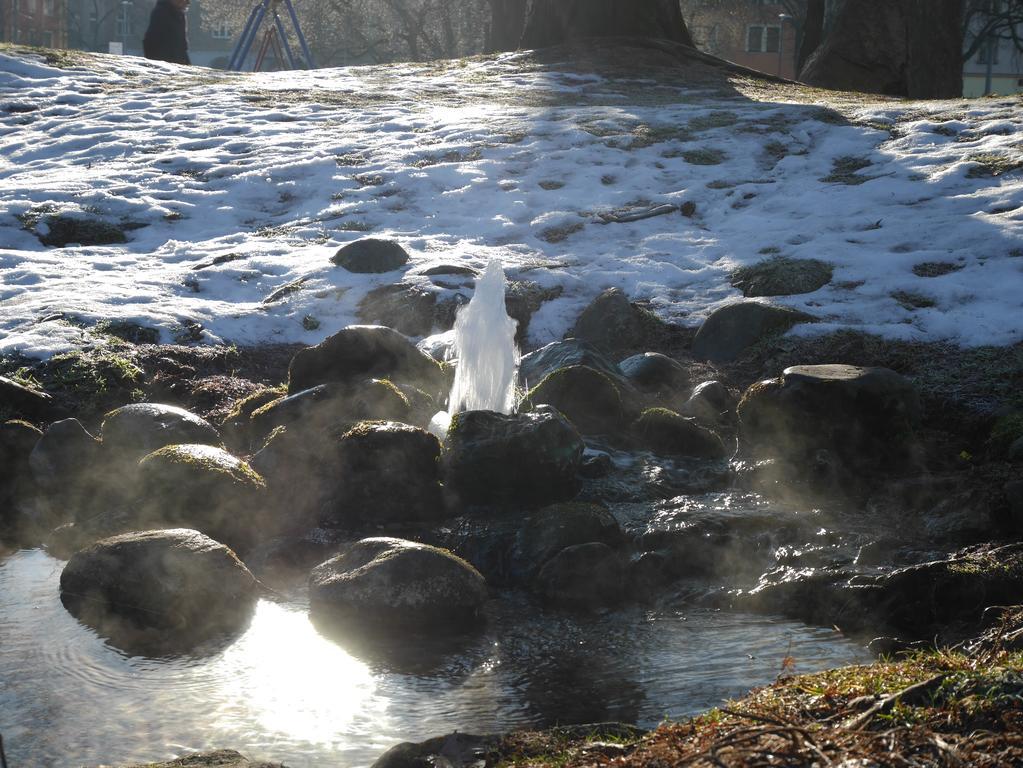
point(385, 582)
point(409, 309)
point(583, 576)
point(133, 431)
point(611, 322)
point(371, 255)
point(205, 488)
point(557, 527)
point(536, 366)
point(17, 439)
point(332, 404)
point(655, 373)
point(66, 469)
point(19, 400)
point(174, 585)
point(586, 397)
point(666, 433)
point(711, 404)
point(387, 472)
point(864, 417)
point(782, 276)
point(732, 328)
point(359, 352)
point(301, 472)
point(527, 458)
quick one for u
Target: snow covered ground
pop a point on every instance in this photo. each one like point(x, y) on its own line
point(239, 185)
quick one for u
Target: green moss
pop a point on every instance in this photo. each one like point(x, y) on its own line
point(245, 407)
point(212, 461)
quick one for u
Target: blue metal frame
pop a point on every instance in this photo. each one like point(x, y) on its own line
point(256, 18)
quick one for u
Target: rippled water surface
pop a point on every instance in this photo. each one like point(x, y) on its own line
point(283, 691)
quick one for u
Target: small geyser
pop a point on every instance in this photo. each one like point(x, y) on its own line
point(487, 355)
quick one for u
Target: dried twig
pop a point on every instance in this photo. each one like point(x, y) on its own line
point(649, 213)
point(915, 692)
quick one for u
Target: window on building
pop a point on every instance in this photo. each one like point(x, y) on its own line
point(124, 21)
point(50, 7)
point(988, 49)
point(763, 39)
point(221, 32)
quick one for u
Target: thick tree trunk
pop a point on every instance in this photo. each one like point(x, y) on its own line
point(507, 18)
point(813, 32)
point(894, 47)
point(557, 21)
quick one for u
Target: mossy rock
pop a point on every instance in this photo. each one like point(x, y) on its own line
point(556, 527)
point(359, 352)
point(392, 583)
point(135, 430)
point(586, 397)
point(208, 489)
point(583, 576)
point(387, 472)
point(529, 459)
point(731, 329)
point(782, 276)
point(161, 588)
point(332, 405)
point(666, 433)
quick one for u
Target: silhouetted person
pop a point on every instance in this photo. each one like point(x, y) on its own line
point(166, 37)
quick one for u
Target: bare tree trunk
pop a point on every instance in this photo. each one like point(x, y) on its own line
point(813, 32)
point(935, 49)
point(557, 21)
point(507, 18)
point(895, 47)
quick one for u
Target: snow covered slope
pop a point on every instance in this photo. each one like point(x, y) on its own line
point(230, 187)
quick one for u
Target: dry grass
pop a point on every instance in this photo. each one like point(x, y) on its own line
point(935, 709)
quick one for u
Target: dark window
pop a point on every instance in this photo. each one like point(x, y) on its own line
point(755, 39)
point(773, 39)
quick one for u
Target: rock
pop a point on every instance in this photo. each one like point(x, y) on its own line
point(27, 402)
point(220, 758)
point(711, 404)
point(586, 397)
point(449, 269)
point(522, 299)
point(666, 433)
point(525, 459)
point(1015, 450)
point(371, 255)
point(396, 583)
point(782, 276)
point(862, 416)
point(332, 404)
point(152, 586)
point(596, 465)
point(583, 576)
point(732, 328)
point(133, 431)
point(654, 372)
point(408, 309)
point(536, 366)
point(236, 423)
point(556, 527)
point(359, 352)
point(917, 601)
point(455, 749)
point(17, 440)
point(610, 322)
point(301, 473)
point(387, 472)
point(65, 467)
point(205, 488)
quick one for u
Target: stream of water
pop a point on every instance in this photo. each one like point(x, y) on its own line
point(284, 691)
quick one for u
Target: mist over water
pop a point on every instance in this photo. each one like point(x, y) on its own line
point(285, 691)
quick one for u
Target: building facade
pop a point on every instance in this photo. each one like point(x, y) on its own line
point(996, 67)
point(34, 22)
point(754, 33)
